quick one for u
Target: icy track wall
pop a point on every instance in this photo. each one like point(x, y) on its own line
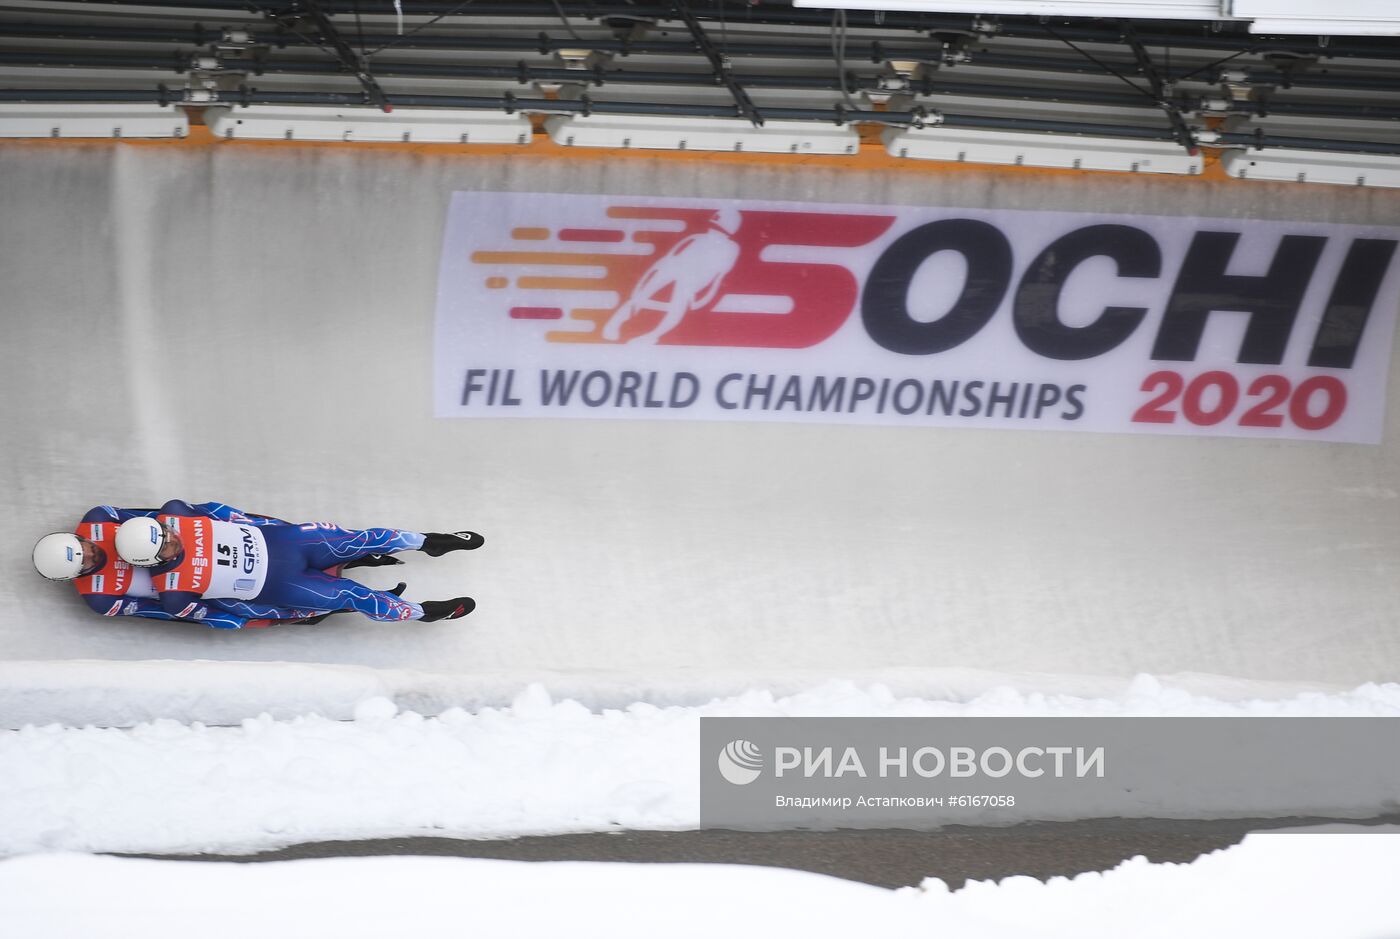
point(254, 325)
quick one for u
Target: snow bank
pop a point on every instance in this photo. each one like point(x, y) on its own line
point(1336, 885)
point(539, 765)
point(123, 694)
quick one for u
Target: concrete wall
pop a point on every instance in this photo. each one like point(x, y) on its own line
point(253, 325)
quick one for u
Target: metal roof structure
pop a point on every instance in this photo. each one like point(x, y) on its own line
point(1131, 94)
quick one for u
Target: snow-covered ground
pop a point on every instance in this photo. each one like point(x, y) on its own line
point(538, 764)
point(1339, 885)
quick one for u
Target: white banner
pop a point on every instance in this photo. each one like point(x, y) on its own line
point(556, 305)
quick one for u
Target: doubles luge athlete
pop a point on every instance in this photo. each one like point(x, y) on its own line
point(299, 577)
point(87, 556)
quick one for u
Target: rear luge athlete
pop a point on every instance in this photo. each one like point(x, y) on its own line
point(202, 564)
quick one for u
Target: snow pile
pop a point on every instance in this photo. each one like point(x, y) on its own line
point(122, 694)
point(167, 787)
point(537, 766)
point(1340, 884)
point(1336, 885)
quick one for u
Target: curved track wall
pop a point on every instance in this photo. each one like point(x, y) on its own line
point(254, 325)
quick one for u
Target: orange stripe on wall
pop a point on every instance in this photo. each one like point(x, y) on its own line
point(870, 157)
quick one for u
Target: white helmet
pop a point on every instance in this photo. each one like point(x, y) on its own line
point(59, 556)
point(139, 541)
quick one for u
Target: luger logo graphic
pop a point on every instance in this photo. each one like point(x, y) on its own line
point(740, 762)
point(688, 277)
point(703, 279)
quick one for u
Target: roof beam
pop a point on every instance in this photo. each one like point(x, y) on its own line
point(1180, 129)
point(355, 63)
point(719, 63)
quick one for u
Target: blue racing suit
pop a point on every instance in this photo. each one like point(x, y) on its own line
point(118, 589)
point(246, 567)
